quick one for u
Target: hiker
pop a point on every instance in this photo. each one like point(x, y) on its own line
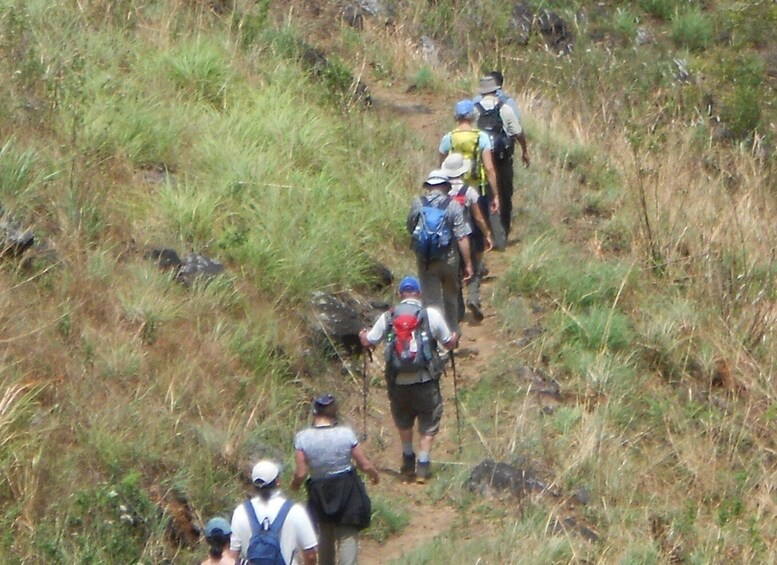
point(337, 500)
point(455, 166)
point(269, 509)
point(474, 145)
point(217, 533)
point(413, 370)
point(499, 119)
point(439, 232)
point(504, 98)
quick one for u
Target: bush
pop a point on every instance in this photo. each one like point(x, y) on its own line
point(692, 30)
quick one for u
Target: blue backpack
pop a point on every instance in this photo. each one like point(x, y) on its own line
point(432, 235)
point(264, 548)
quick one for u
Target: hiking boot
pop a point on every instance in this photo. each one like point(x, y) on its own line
point(477, 313)
point(423, 472)
point(408, 465)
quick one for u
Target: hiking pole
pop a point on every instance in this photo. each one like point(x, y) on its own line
point(456, 399)
point(365, 384)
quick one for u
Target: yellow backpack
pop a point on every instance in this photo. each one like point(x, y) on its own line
point(465, 141)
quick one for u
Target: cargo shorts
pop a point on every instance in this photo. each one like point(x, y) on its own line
point(420, 401)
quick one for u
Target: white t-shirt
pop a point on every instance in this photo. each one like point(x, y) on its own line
point(297, 531)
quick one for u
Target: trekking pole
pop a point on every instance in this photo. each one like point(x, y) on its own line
point(365, 385)
point(456, 399)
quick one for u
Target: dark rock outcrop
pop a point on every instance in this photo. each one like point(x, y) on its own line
point(490, 477)
point(14, 239)
point(192, 268)
point(335, 321)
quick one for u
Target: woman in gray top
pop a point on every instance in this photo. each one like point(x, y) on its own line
point(337, 500)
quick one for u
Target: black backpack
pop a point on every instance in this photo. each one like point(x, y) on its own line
point(490, 121)
point(264, 548)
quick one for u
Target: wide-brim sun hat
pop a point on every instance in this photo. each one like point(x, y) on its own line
point(488, 85)
point(455, 165)
point(436, 178)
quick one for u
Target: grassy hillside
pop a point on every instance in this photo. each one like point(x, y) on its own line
point(646, 257)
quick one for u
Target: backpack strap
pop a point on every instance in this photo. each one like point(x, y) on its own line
point(479, 107)
point(253, 521)
point(277, 524)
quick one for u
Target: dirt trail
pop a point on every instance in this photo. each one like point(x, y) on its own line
point(429, 118)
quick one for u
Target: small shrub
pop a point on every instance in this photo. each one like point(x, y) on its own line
point(692, 30)
point(624, 24)
point(663, 9)
point(424, 79)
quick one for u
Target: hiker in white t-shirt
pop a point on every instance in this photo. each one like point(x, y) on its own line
point(298, 540)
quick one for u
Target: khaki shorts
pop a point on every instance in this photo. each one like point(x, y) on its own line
point(421, 401)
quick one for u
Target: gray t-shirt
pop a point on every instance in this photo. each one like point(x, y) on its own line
point(327, 449)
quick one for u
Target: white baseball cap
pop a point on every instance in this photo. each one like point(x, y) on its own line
point(265, 472)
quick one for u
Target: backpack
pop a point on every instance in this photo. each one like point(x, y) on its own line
point(461, 196)
point(410, 345)
point(264, 548)
point(432, 235)
point(490, 121)
point(466, 142)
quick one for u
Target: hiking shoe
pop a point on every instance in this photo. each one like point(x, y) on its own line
point(408, 465)
point(477, 313)
point(423, 472)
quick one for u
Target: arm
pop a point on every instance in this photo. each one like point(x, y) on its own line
point(452, 343)
point(466, 254)
point(521, 139)
point(300, 469)
point(488, 164)
point(370, 338)
point(364, 464)
point(310, 556)
point(485, 229)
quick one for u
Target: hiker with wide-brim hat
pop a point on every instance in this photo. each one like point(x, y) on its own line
point(325, 454)
point(455, 167)
point(495, 115)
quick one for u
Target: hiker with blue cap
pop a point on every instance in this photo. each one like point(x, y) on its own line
point(476, 147)
point(413, 369)
point(440, 238)
point(217, 533)
point(325, 454)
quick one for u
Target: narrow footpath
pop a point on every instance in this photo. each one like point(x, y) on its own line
point(427, 518)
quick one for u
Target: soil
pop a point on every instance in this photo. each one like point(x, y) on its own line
point(428, 518)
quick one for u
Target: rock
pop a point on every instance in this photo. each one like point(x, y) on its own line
point(522, 21)
point(335, 321)
point(378, 275)
point(165, 258)
point(429, 50)
point(196, 266)
point(540, 383)
point(353, 16)
point(14, 239)
point(193, 267)
point(371, 7)
point(644, 37)
point(570, 524)
point(682, 74)
point(489, 477)
point(558, 36)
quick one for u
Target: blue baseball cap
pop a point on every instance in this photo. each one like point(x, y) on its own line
point(464, 109)
point(217, 526)
point(409, 284)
